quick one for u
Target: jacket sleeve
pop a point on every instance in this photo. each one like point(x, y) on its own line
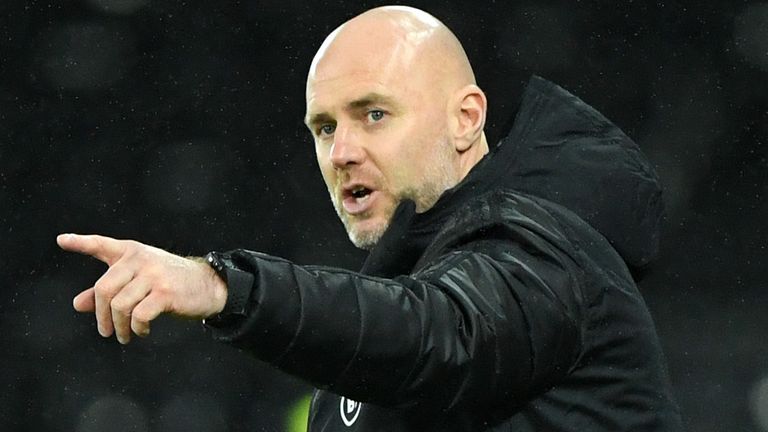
point(493, 321)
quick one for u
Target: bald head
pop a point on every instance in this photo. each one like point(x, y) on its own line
point(395, 114)
point(395, 40)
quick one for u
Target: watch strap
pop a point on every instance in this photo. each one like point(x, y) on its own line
point(239, 288)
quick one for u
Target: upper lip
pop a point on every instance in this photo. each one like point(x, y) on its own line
point(347, 189)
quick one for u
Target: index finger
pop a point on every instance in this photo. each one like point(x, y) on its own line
point(105, 249)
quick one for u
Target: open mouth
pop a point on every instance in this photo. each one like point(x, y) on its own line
point(361, 192)
point(357, 199)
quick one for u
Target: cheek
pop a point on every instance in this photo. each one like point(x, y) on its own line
point(402, 163)
point(420, 142)
point(326, 168)
point(424, 150)
point(328, 176)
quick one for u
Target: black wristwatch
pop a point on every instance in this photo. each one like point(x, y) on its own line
point(239, 288)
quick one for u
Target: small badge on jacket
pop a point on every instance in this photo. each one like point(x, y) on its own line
point(349, 410)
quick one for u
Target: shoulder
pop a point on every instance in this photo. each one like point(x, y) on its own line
point(508, 226)
point(505, 215)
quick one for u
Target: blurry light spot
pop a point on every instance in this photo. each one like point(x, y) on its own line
point(678, 183)
point(119, 7)
point(298, 415)
point(68, 390)
point(192, 412)
point(84, 56)
point(114, 413)
point(750, 34)
point(758, 403)
point(682, 134)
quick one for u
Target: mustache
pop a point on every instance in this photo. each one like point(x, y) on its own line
point(345, 177)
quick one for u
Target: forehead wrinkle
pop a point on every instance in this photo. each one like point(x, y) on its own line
point(371, 98)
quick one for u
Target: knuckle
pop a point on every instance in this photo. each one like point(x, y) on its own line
point(140, 317)
point(132, 246)
point(120, 307)
point(102, 289)
point(143, 256)
point(161, 286)
point(129, 253)
point(142, 313)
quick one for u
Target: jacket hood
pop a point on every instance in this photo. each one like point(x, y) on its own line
point(562, 150)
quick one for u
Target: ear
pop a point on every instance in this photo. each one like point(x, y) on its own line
point(468, 115)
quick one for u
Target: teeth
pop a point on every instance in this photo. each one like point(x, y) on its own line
point(359, 192)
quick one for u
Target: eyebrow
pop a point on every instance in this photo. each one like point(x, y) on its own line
point(366, 100)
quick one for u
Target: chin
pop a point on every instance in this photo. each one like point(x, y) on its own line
point(361, 243)
point(367, 237)
point(366, 230)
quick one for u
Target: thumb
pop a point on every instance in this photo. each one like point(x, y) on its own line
point(105, 249)
point(85, 301)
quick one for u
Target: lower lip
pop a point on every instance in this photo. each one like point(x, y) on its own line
point(355, 206)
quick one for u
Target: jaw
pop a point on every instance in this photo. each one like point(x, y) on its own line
point(366, 229)
point(364, 234)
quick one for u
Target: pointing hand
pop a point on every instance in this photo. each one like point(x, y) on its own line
point(141, 283)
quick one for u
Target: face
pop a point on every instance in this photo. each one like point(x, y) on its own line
point(380, 137)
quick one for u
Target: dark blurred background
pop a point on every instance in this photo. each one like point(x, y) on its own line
point(179, 124)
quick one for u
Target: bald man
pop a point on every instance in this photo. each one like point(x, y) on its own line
point(497, 294)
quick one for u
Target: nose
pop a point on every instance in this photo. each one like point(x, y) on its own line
point(345, 150)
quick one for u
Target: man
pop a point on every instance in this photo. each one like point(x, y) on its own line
point(493, 297)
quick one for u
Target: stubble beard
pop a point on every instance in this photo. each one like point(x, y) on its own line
point(437, 178)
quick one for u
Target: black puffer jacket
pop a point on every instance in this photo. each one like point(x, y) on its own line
point(505, 307)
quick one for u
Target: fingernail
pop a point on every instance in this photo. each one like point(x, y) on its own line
point(63, 239)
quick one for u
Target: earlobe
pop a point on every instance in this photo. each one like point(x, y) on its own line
point(471, 107)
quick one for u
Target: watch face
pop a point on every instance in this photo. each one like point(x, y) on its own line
point(213, 259)
point(239, 288)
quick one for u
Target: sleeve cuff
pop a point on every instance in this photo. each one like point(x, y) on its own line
point(239, 288)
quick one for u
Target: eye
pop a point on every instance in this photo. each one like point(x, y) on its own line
point(375, 115)
point(327, 129)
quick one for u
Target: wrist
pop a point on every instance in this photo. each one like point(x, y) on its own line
point(212, 283)
point(232, 289)
point(219, 292)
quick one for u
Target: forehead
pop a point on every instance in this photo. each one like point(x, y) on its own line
point(374, 58)
point(346, 87)
point(349, 94)
point(352, 83)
